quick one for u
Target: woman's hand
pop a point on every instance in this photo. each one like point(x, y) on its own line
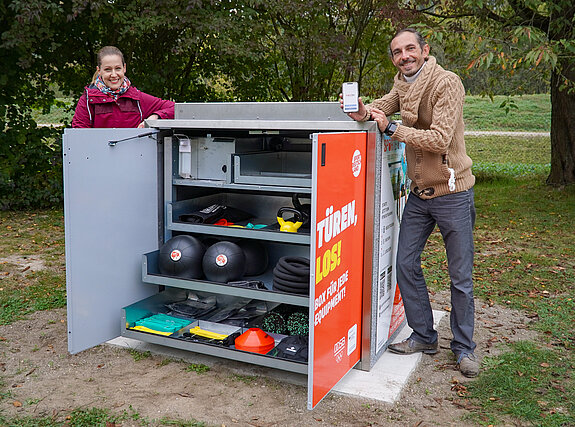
point(152, 117)
point(361, 113)
point(380, 118)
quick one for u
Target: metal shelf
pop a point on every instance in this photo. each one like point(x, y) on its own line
point(242, 187)
point(214, 350)
point(235, 186)
point(156, 304)
point(172, 210)
point(216, 230)
point(153, 277)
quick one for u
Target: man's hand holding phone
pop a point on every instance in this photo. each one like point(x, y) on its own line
point(361, 113)
point(351, 103)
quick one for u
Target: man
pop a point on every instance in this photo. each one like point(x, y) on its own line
point(430, 101)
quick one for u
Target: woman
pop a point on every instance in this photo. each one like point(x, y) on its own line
point(110, 101)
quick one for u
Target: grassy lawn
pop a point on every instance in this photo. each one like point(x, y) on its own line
point(509, 156)
point(525, 259)
point(38, 236)
point(528, 113)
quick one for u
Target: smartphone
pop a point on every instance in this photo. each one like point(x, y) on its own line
point(350, 94)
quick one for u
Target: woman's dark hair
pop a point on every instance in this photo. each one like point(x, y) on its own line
point(420, 40)
point(106, 51)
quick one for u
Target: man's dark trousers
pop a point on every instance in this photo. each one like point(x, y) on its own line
point(455, 216)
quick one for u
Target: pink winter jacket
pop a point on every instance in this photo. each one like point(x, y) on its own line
point(98, 110)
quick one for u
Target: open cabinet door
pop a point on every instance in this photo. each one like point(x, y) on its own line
point(111, 203)
point(337, 247)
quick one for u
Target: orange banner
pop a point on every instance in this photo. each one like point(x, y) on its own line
point(338, 263)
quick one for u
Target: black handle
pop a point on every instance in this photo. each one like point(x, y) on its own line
point(298, 214)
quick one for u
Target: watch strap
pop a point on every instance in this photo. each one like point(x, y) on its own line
point(390, 128)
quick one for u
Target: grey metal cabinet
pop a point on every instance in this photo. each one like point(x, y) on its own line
point(127, 189)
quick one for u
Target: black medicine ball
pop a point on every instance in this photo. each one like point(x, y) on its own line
point(182, 256)
point(256, 257)
point(224, 262)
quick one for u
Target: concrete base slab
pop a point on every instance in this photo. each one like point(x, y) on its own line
point(389, 374)
point(384, 382)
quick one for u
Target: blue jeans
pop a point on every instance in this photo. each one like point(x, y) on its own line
point(454, 214)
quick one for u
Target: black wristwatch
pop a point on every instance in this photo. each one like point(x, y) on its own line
point(390, 129)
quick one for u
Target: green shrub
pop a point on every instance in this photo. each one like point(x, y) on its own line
point(30, 168)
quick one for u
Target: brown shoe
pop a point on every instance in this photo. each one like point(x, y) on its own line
point(468, 365)
point(410, 346)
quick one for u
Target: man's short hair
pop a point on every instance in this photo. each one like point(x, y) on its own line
point(420, 40)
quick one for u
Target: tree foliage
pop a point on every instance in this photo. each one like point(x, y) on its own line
point(256, 50)
point(206, 49)
point(303, 50)
point(29, 166)
point(199, 50)
point(513, 36)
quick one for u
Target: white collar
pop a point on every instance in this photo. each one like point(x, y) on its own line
point(411, 79)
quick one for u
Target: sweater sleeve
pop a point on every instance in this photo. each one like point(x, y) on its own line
point(152, 105)
point(447, 105)
point(389, 103)
point(82, 115)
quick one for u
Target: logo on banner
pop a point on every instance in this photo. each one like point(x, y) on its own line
point(351, 339)
point(356, 163)
point(338, 349)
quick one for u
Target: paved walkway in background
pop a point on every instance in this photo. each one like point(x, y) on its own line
point(504, 133)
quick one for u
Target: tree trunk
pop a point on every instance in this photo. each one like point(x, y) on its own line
point(562, 128)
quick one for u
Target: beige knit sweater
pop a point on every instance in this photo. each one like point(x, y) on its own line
point(432, 127)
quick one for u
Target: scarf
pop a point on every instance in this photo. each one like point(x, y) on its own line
point(410, 93)
point(113, 93)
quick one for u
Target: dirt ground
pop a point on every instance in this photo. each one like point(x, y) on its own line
point(43, 380)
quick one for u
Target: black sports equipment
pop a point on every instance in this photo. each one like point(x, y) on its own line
point(305, 209)
point(224, 262)
point(294, 347)
point(298, 323)
point(256, 257)
point(212, 213)
point(291, 274)
point(273, 322)
point(182, 256)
